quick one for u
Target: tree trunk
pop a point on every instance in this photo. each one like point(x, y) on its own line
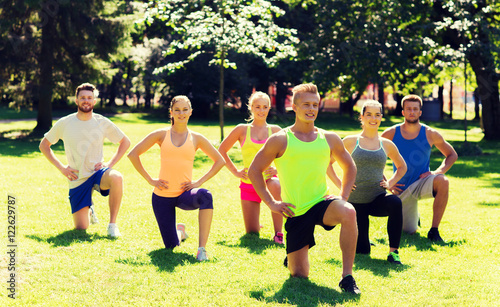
point(477, 101)
point(487, 89)
point(451, 99)
point(381, 96)
point(441, 101)
point(46, 60)
point(221, 96)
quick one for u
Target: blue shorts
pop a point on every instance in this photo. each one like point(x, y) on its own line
point(81, 196)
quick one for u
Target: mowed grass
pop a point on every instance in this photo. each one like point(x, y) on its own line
point(59, 266)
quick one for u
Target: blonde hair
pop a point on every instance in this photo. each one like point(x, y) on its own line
point(175, 100)
point(411, 97)
point(251, 99)
point(304, 88)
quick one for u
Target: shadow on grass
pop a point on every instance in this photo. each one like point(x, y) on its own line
point(380, 267)
point(423, 244)
point(253, 243)
point(488, 204)
point(69, 237)
point(302, 292)
point(166, 259)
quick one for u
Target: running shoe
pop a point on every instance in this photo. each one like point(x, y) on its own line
point(348, 284)
point(434, 236)
point(113, 231)
point(182, 229)
point(394, 257)
point(278, 238)
point(202, 254)
point(93, 215)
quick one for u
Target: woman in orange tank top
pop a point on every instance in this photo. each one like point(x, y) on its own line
point(174, 187)
point(252, 137)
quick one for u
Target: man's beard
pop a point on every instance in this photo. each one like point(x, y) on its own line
point(85, 110)
point(413, 121)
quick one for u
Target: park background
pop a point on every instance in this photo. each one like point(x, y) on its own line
point(141, 54)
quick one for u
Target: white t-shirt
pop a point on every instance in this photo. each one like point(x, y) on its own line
point(83, 142)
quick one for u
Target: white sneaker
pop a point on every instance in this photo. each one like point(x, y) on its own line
point(182, 229)
point(202, 254)
point(113, 231)
point(93, 215)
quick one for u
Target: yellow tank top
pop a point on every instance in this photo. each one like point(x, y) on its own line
point(250, 148)
point(302, 169)
point(176, 164)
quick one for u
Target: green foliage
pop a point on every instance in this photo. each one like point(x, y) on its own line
point(218, 27)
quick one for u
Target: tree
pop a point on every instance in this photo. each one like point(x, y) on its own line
point(473, 27)
point(69, 42)
point(218, 28)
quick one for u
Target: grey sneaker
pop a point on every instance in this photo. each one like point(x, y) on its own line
point(202, 254)
point(113, 231)
point(93, 215)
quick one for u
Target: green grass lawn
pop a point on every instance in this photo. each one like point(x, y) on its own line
point(63, 267)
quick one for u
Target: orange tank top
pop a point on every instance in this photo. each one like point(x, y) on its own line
point(176, 164)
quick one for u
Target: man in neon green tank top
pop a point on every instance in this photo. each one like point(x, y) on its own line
point(302, 154)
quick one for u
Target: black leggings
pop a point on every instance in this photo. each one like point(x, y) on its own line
point(384, 205)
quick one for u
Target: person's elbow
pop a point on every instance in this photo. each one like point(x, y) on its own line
point(220, 163)
point(44, 145)
point(453, 157)
point(125, 142)
point(253, 172)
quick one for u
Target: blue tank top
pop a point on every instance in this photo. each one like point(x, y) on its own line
point(415, 152)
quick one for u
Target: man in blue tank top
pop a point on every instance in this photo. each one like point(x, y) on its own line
point(414, 141)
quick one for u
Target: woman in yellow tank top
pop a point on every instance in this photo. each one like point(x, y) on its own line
point(252, 137)
point(174, 187)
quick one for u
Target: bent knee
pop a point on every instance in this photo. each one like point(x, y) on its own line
point(204, 199)
point(441, 182)
point(350, 212)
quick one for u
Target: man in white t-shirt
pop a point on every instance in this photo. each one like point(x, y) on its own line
point(83, 135)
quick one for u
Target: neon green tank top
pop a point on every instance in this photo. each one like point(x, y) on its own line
point(302, 171)
point(250, 148)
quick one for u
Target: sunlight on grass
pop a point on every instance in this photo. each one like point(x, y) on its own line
point(60, 266)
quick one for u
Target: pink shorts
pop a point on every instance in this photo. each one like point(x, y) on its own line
point(248, 192)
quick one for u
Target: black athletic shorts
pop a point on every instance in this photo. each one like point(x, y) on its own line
point(300, 229)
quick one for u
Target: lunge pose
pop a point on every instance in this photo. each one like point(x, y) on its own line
point(252, 137)
point(174, 186)
point(83, 135)
point(302, 154)
point(414, 141)
point(370, 152)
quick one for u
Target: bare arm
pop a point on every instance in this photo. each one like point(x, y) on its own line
point(389, 133)
point(212, 153)
point(274, 148)
point(144, 145)
point(393, 154)
point(446, 149)
point(333, 176)
point(235, 135)
point(120, 152)
point(340, 154)
point(67, 171)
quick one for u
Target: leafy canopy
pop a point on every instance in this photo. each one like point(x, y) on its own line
point(216, 27)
